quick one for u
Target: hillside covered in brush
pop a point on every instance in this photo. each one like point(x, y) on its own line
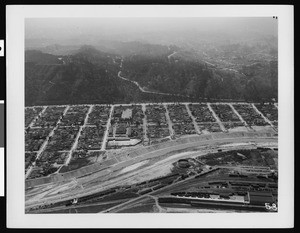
point(182, 75)
point(89, 75)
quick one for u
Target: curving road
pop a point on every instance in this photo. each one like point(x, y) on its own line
point(141, 88)
point(172, 54)
point(162, 93)
point(145, 91)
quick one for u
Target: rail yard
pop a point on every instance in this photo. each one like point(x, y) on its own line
point(113, 157)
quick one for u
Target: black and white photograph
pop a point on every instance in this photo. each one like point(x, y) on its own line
point(151, 115)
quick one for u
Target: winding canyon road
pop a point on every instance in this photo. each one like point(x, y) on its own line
point(141, 88)
point(171, 55)
point(161, 93)
point(145, 91)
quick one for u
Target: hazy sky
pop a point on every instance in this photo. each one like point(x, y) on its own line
point(59, 30)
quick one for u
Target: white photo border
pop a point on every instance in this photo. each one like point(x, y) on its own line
point(16, 217)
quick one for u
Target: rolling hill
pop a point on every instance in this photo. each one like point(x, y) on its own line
point(91, 76)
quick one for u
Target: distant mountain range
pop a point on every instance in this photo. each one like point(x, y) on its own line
point(85, 74)
point(112, 47)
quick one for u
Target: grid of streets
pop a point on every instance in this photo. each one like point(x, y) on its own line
point(56, 135)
